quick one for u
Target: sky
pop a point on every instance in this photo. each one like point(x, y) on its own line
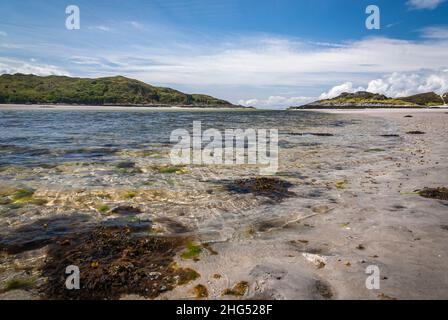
point(263, 53)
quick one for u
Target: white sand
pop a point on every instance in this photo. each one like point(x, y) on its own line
point(376, 220)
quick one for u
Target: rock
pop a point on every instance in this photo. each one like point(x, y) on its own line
point(239, 289)
point(321, 209)
point(200, 291)
point(318, 260)
point(126, 210)
point(125, 165)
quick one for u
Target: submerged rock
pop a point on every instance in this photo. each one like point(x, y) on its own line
point(273, 188)
point(390, 135)
point(115, 262)
point(42, 232)
point(126, 210)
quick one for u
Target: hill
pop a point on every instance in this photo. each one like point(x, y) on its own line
point(31, 89)
point(428, 99)
point(363, 99)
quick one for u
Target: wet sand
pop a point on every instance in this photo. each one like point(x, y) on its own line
point(350, 202)
point(375, 220)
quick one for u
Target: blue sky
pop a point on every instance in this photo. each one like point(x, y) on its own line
point(269, 54)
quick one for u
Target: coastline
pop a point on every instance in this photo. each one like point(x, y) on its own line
point(352, 205)
point(374, 110)
point(115, 108)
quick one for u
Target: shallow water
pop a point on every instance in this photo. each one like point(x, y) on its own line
point(83, 163)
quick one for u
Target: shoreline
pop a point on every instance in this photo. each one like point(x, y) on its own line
point(375, 110)
point(115, 108)
point(352, 205)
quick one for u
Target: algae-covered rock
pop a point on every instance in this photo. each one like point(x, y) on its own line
point(239, 289)
point(434, 193)
point(115, 262)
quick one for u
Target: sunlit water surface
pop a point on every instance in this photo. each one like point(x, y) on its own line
point(81, 164)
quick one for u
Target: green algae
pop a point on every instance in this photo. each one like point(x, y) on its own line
point(129, 195)
point(19, 283)
point(103, 208)
point(17, 197)
point(192, 251)
point(166, 169)
point(341, 184)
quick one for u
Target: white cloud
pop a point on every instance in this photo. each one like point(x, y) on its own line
point(287, 63)
point(399, 84)
point(276, 102)
point(249, 68)
point(337, 90)
point(12, 66)
point(424, 4)
point(137, 25)
point(3, 34)
point(405, 84)
point(435, 32)
point(100, 28)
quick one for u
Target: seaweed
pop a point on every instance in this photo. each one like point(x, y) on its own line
point(272, 188)
point(19, 283)
point(113, 262)
point(192, 251)
point(239, 289)
point(103, 208)
point(126, 210)
point(200, 291)
point(41, 232)
point(20, 196)
point(390, 135)
point(210, 249)
point(434, 193)
point(172, 169)
point(323, 289)
point(341, 184)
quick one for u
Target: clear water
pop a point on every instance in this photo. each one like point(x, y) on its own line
point(71, 159)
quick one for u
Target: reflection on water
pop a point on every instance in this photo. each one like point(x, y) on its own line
point(91, 163)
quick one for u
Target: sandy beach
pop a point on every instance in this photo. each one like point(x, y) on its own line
point(352, 204)
point(375, 220)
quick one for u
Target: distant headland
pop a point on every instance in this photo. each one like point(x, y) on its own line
point(108, 91)
point(363, 99)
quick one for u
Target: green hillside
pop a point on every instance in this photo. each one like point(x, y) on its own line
point(428, 99)
point(31, 89)
point(363, 99)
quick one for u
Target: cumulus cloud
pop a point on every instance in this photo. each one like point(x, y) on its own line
point(424, 4)
point(276, 102)
point(244, 68)
point(12, 66)
point(399, 84)
point(405, 84)
point(337, 90)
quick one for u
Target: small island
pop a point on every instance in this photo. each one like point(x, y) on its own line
point(109, 91)
point(363, 99)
